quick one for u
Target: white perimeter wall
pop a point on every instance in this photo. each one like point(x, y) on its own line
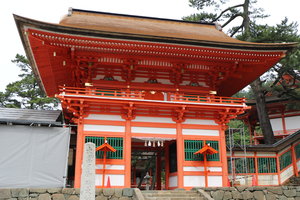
point(267, 179)
point(286, 174)
point(115, 179)
point(214, 181)
point(292, 122)
point(193, 181)
point(276, 124)
point(173, 181)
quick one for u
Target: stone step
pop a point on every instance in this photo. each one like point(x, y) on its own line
point(171, 195)
point(168, 195)
point(174, 198)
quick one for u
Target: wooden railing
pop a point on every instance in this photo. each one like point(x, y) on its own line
point(131, 94)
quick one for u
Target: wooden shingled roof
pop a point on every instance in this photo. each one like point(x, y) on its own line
point(158, 28)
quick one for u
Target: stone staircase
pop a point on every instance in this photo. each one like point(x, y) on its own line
point(293, 181)
point(171, 195)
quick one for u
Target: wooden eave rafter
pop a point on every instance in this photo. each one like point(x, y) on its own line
point(52, 49)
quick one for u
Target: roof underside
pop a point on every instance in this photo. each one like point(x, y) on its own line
point(111, 41)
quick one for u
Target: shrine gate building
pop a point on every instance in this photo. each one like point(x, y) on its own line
point(152, 87)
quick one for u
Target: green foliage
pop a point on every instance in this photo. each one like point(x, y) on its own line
point(224, 12)
point(25, 93)
point(237, 127)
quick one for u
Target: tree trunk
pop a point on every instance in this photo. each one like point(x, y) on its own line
point(262, 112)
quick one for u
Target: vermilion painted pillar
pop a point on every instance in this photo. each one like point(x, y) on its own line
point(256, 167)
point(278, 168)
point(180, 155)
point(79, 154)
point(223, 156)
point(127, 154)
point(294, 160)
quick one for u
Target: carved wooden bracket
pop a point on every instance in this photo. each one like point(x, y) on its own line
point(179, 115)
point(129, 112)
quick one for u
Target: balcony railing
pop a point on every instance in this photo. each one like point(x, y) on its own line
point(142, 95)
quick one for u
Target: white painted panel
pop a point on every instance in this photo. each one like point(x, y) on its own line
point(200, 122)
point(153, 130)
point(173, 181)
point(193, 181)
point(199, 169)
point(215, 169)
point(193, 169)
point(115, 179)
point(265, 154)
point(105, 117)
point(108, 128)
point(298, 165)
point(286, 174)
point(201, 132)
point(240, 153)
point(214, 181)
point(267, 180)
point(276, 124)
point(153, 119)
point(292, 122)
point(243, 180)
point(114, 167)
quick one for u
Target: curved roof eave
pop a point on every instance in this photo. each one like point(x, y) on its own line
point(151, 38)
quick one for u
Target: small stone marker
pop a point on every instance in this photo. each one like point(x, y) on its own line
point(87, 190)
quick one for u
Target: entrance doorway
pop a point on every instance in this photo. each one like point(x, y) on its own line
point(148, 158)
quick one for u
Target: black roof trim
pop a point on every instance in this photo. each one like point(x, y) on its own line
point(276, 147)
point(138, 16)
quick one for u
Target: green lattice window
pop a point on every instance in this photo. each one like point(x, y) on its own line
point(267, 165)
point(115, 142)
point(191, 146)
point(242, 165)
point(297, 150)
point(285, 160)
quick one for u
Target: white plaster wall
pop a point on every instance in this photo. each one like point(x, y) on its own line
point(153, 119)
point(267, 180)
point(199, 169)
point(153, 130)
point(214, 181)
point(193, 181)
point(115, 179)
point(292, 122)
point(105, 117)
point(276, 124)
point(265, 154)
point(200, 122)
point(173, 181)
point(114, 167)
point(201, 132)
point(286, 174)
point(107, 128)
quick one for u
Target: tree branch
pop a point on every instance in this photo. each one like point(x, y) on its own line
point(231, 19)
point(236, 30)
point(227, 9)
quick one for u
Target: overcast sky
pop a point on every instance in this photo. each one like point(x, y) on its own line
point(52, 11)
